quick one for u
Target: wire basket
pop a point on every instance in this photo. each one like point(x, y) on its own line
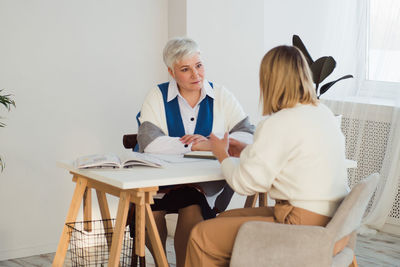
point(90, 243)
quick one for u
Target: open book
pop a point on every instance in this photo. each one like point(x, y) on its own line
point(200, 155)
point(111, 160)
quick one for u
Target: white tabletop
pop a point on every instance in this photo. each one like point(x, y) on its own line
point(142, 176)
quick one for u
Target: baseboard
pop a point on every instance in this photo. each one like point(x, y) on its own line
point(392, 226)
point(7, 254)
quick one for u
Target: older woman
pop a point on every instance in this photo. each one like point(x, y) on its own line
point(177, 117)
point(298, 156)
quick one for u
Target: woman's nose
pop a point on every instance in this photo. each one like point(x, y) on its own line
point(195, 73)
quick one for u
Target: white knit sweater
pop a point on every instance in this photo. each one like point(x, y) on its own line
point(298, 155)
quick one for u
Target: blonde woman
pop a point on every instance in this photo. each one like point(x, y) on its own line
point(298, 157)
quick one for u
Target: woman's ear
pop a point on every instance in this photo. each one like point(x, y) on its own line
point(171, 72)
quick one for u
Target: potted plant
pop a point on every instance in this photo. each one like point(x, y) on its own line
point(320, 68)
point(7, 102)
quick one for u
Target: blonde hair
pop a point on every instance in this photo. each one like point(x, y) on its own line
point(285, 80)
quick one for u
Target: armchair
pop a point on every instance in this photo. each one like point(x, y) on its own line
point(273, 244)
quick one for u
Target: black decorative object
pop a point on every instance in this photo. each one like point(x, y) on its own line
point(321, 68)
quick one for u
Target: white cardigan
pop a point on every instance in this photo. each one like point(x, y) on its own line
point(298, 155)
point(227, 113)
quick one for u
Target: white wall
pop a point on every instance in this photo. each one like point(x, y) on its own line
point(327, 28)
point(230, 34)
point(177, 23)
point(79, 71)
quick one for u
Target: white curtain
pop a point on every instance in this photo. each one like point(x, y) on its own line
point(364, 38)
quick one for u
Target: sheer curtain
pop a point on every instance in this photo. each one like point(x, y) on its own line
point(364, 38)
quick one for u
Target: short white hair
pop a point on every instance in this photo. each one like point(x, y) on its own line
point(177, 49)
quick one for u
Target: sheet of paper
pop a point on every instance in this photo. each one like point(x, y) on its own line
point(173, 158)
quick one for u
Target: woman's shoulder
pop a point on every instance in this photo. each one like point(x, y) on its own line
point(300, 109)
point(288, 120)
point(221, 92)
point(156, 90)
point(153, 95)
point(325, 108)
point(288, 117)
point(301, 116)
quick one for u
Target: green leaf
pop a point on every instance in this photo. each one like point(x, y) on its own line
point(326, 86)
point(2, 124)
point(6, 101)
point(322, 68)
point(299, 44)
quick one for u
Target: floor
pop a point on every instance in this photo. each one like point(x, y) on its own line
point(379, 250)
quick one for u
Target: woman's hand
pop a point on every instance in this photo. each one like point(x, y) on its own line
point(198, 142)
point(219, 147)
point(235, 147)
point(192, 138)
point(202, 146)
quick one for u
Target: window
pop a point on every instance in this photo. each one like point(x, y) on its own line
point(383, 53)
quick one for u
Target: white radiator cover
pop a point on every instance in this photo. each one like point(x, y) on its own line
point(375, 120)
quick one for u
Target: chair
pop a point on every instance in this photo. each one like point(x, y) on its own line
point(273, 244)
point(129, 141)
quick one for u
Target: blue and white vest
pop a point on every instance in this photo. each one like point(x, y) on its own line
point(173, 116)
point(174, 119)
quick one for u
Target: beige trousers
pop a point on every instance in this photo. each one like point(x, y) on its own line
point(211, 242)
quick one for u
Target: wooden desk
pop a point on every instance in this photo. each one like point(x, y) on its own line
point(137, 185)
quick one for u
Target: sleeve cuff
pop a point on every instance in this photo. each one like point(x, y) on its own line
point(244, 137)
point(187, 148)
point(228, 167)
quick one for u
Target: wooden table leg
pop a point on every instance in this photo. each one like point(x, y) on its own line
point(105, 215)
point(140, 228)
point(71, 217)
point(87, 210)
point(158, 250)
point(119, 229)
